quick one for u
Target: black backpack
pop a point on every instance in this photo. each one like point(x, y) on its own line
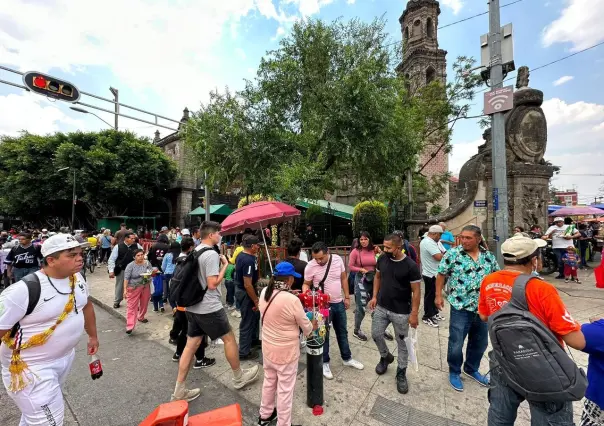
point(531, 359)
point(185, 288)
point(34, 290)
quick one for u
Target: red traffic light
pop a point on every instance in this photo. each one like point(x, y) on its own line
point(52, 87)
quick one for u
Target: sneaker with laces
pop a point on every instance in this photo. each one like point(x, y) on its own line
point(175, 357)
point(439, 317)
point(205, 362)
point(360, 335)
point(353, 363)
point(186, 395)
point(455, 382)
point(402, 386)
point(231, 307)
point(267, 421)
point(236, 314)
point(382, 366)
point(430, 322)
point(566, 280)
point(479, 378)
point(248, 375)
point(327, 372)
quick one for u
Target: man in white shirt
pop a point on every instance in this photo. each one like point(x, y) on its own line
point(41, 369)
point(431, 254)
point(561, 239)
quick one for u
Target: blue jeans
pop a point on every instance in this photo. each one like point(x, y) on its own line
point(337, 319)
point(19, 273)
point(504, 403)
point(249, 329)
point(466, 324)
point(230, 296)
point(559, 253)
point(166, 287)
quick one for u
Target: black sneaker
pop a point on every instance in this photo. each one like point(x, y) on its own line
point(360, 335)
point(175, 357)
point(257, 343)
point(266, 422)
point(383, 364)
point(388, 336)
point(116, 305)
point(162, 309)
point(173, 342)
point(204, 363)
point(250, 356)
point(401, 380)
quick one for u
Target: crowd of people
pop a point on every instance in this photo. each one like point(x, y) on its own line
point(385, 282)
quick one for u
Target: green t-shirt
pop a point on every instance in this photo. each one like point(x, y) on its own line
point(228, 275)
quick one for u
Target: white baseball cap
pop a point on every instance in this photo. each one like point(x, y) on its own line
point(44, 230)
point(185, 231)
point(559, 219)
point(520, 247)
point(436, 229)
point(60, 242)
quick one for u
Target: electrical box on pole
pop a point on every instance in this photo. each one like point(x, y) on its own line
point(507, 51)
point(52, 87)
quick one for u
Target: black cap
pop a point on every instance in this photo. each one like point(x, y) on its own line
point(249, 240)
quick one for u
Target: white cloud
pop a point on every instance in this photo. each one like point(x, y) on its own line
point(350, 1)
point(462, 153)
point(580, 24)
point(599, 127)
point(563, 79)
point(240, 53)
point(559, 112)
point(456, 5)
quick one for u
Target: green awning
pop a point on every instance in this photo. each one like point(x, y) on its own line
point(340, 210)
point(219, 209)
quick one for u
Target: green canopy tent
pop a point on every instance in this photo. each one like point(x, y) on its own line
point(217, 209)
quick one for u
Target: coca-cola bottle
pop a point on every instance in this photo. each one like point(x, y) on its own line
point(96, 369)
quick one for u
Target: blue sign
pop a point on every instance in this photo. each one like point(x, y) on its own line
point(495, 199)
point(480, 203)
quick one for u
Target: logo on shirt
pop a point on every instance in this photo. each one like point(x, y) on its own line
point(50, 298)
point(567, 317)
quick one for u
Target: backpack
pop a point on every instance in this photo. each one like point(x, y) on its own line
point(531, 359)
point(34, 289)
point(185, 288)
point(410, 250)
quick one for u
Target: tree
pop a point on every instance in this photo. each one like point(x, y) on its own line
point(115, 173)
point(370, 216)
point(326, 110)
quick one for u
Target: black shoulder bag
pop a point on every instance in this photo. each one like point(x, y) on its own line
point(322, 282)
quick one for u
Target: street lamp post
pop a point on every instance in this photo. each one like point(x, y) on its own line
point(73, 202)
point(84, 111)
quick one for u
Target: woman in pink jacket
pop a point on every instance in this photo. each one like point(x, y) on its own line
point(282, 317)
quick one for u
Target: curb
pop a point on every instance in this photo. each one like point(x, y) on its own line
point(107, 308)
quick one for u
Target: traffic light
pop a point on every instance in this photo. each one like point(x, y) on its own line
point(43, 84)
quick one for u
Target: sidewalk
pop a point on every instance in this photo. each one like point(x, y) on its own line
point(362, 397)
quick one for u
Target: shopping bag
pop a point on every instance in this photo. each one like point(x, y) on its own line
point(599, 274)
point(411, 342)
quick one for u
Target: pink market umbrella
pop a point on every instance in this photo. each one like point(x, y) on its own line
point(577, 211)
point(259, 214)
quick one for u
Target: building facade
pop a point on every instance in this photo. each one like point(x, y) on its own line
point(568, 198)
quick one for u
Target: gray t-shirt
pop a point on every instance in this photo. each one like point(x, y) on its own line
point(428, 247)
point(134, 273)
point(209, 265)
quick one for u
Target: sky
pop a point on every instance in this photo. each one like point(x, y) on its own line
point(164, 55)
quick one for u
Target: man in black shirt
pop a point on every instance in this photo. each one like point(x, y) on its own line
point(23, 259)
point(246, 276)
point(293, 257)
point(396, 297)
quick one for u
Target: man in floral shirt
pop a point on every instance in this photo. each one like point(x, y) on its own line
point(465, 266)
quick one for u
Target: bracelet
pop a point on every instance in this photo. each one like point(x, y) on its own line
point(347, 298)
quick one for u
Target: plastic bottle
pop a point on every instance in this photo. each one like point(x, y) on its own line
point(96, 369)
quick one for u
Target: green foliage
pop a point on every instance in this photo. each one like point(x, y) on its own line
point(115, 171)
point(313, 213)
point(370, 216)
point(244, 201)
point(435, 210)
point(342, 240)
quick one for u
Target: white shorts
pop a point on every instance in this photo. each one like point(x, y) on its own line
point(41, 403)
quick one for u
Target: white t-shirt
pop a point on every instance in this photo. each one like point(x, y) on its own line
point(13, 305)
point(558, 242)
point(428, 248)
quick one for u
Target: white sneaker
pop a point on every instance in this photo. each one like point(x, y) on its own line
point(236, 314)
point(439, 317)
point(248, 375)
point(353, 363)
point(218, 341)
point(186, 395)
point(327, 372)
point(231, 307)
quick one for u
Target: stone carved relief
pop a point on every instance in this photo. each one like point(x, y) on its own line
point(533, 204)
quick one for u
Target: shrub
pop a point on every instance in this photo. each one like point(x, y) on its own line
point(370, 216)
point(313, 213)
point(342, 240)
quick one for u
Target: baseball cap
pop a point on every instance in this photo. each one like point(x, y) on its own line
point(164, 228)
point(250, 240)
point(436, 229)
point(559, 219)
point(44, 230)
point(185, 231)
point(60, 242)
point(520, 247)
point(285, 269)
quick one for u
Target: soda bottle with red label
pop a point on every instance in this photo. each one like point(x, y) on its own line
point(96, 369)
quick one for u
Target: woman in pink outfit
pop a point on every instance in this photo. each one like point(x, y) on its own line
point(282, 317)
point(137, 291)
point(362, 263)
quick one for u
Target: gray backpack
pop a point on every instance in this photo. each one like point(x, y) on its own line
point(531, 359)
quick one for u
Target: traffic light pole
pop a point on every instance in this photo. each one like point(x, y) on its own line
point(500, 184)
point(206, 189)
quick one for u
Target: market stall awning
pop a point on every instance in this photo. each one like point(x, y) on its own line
point(219, 209)
point(343, 211)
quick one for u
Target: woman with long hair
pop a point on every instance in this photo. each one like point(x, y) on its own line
point(282, 316)
point(362, 263)
point(137, 291)
point(167, 266)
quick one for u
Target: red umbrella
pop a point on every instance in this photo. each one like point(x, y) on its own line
point(258, 214)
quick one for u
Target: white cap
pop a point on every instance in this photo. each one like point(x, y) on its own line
point(185, 231)
point(44, 230)
point(436, 229)
point(559, 219)
point(60, 242)
point(520, 247)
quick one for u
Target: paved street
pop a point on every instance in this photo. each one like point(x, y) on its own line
point(139, 375)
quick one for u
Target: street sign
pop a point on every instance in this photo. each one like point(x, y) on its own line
point(499, 100)
point(480, 203)
point(52, 87)
point(495, 199)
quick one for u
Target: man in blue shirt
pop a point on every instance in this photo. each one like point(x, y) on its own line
point(446, 239)
point(593, 411)
point(246, 276)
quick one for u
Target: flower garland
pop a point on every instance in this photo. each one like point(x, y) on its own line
point(19, 380)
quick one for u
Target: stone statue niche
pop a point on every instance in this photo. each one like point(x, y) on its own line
point(528, 173)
